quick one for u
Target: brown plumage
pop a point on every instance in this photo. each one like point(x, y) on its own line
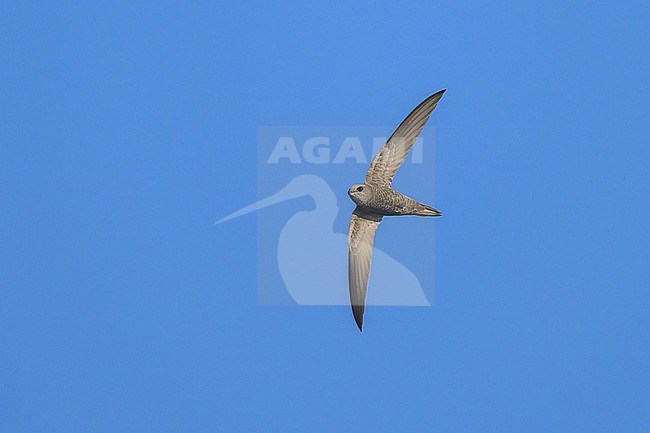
point(375, 199)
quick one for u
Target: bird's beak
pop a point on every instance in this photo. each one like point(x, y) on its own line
point(286, 193)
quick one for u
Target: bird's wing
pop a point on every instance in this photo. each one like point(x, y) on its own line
point(360, 239)
point(392, 154)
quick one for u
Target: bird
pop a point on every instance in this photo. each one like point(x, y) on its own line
point(375, 198)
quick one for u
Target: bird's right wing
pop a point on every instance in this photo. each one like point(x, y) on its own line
point(360, 240)
point(392, 154)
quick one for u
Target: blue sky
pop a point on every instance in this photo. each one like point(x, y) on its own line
point(127, 130)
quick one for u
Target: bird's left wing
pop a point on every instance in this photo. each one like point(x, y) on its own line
point(392, 154)
point(360, 240)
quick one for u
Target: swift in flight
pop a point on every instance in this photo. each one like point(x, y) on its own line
point(375, 199)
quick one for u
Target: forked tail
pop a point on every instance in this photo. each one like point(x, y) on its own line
point(424, 210)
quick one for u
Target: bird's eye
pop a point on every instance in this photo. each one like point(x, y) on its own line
point(359, 188)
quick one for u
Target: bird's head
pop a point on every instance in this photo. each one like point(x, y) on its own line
point(360, 193)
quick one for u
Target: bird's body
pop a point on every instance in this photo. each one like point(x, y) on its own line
point(386, 201)
point(375, 198)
